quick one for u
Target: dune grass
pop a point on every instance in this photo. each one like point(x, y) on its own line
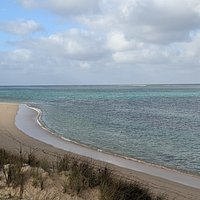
point(80, 176)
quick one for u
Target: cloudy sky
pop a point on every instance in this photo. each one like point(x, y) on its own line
point(99, 41)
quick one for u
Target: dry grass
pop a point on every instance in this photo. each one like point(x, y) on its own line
point(68, 176)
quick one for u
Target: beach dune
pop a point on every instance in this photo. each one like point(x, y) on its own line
point(31, 137)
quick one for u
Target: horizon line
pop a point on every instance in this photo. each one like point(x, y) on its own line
point(114, 84)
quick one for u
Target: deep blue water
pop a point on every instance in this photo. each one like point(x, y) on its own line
point(156, 123)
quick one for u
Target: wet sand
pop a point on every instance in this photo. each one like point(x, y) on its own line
point(161, 180)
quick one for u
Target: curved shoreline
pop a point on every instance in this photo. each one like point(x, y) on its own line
point(27, 121)
point(43, 126)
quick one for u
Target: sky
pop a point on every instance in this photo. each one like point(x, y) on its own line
point(99, 42)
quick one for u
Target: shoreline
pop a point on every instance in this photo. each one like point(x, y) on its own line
point(54, 134)
point(43, 126)
point(28, 115)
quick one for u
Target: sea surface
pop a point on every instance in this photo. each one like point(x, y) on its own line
point(159, 124)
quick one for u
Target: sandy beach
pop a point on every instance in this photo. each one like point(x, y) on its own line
point(176, 185)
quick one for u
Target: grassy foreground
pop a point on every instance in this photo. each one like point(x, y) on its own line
point(26, 177)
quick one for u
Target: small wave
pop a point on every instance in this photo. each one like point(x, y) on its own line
point(137, 85)
point(141, 85)
point(43, 126)
point(38, 117)
point(66, 139)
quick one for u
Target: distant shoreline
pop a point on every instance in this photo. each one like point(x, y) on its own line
point(114, 84)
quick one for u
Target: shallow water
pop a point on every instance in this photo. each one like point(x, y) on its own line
point(156, 123)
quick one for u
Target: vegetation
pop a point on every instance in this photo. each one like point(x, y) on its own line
point(75, 176)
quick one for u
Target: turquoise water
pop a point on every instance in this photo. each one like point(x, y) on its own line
point(155, 123)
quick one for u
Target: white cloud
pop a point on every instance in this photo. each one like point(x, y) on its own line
point(20, 27)
point(153, 21)
point(15, 60)
point(160, 21)
point(76, 44)
point(189, 53)
point(117, 41)
point(149, 32)
point(63, 7)
point(85, 65)
point(20, 55)
point(72, 7)
point(75, 48)
point(28, 3)
point(133, 37)
point(144, 56)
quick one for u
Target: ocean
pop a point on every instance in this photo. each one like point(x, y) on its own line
point(159, 124)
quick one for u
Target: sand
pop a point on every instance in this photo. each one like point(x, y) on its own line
point(11, 138)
